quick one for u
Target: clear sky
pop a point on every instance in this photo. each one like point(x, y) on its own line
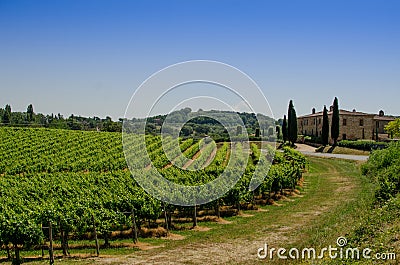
point(87, 57)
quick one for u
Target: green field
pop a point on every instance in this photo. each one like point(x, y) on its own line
point(79, 182)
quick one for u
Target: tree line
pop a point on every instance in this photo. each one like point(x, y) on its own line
point(32, 119)
point(199, 126)
point(202, 123)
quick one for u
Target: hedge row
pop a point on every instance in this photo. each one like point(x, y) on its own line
point(383, 166)
point(363, 145)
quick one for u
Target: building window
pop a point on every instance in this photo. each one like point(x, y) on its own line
point(305, 132)
point(312, 131)
point(319, 121)
point(344, 137)
point(344, 122)
point(361, 122)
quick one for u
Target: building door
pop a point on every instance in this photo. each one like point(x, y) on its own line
point(344, 137)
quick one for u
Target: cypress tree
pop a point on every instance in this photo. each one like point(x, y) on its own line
point(29, 112)
point(7, 114)
point(335, 122)
point(278, 131)
point(289, 125)
point(292, 123)
point(325, 127)
point(284, 129)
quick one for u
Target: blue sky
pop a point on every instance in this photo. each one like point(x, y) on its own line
point(88, 57)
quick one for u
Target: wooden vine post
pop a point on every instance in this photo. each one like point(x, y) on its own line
point(95, 237)
point(64, 235)
point(134, 227)
point(51, 252)
point(194, 216)
point(166, 217)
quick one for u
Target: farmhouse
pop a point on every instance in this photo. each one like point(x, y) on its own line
point(353, 125)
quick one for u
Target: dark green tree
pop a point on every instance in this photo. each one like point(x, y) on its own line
point(325, 127)
point(292, 123)
point(335, 122)
point(257, 134)
point(17, 118)
point(186, 130)
point(284, 129)
point(7, 114)
point(278, 131)
point(29, 113)
point(270, 130)
point(238, 130)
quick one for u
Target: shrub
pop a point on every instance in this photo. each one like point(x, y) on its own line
point(307, 138)
point(313, 139)
point(362, 145)
point(383, 166)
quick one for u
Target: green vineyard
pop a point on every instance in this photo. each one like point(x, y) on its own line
point(78, 182)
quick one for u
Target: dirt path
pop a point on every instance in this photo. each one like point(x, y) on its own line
point(188, 163)
point(305, 148)
point(325, 188)
point(339, 156)
point(310, 151)
point(199, 153)
point(210, 158)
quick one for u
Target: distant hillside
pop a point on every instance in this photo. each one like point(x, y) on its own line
point(202, 123)
point(199, 124)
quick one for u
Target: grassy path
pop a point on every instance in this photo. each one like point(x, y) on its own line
point(331, 202)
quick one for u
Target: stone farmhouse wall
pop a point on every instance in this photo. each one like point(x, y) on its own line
point(352, 125)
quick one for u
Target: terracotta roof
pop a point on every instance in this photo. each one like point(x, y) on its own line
point(384, 118)
point(341, 112)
